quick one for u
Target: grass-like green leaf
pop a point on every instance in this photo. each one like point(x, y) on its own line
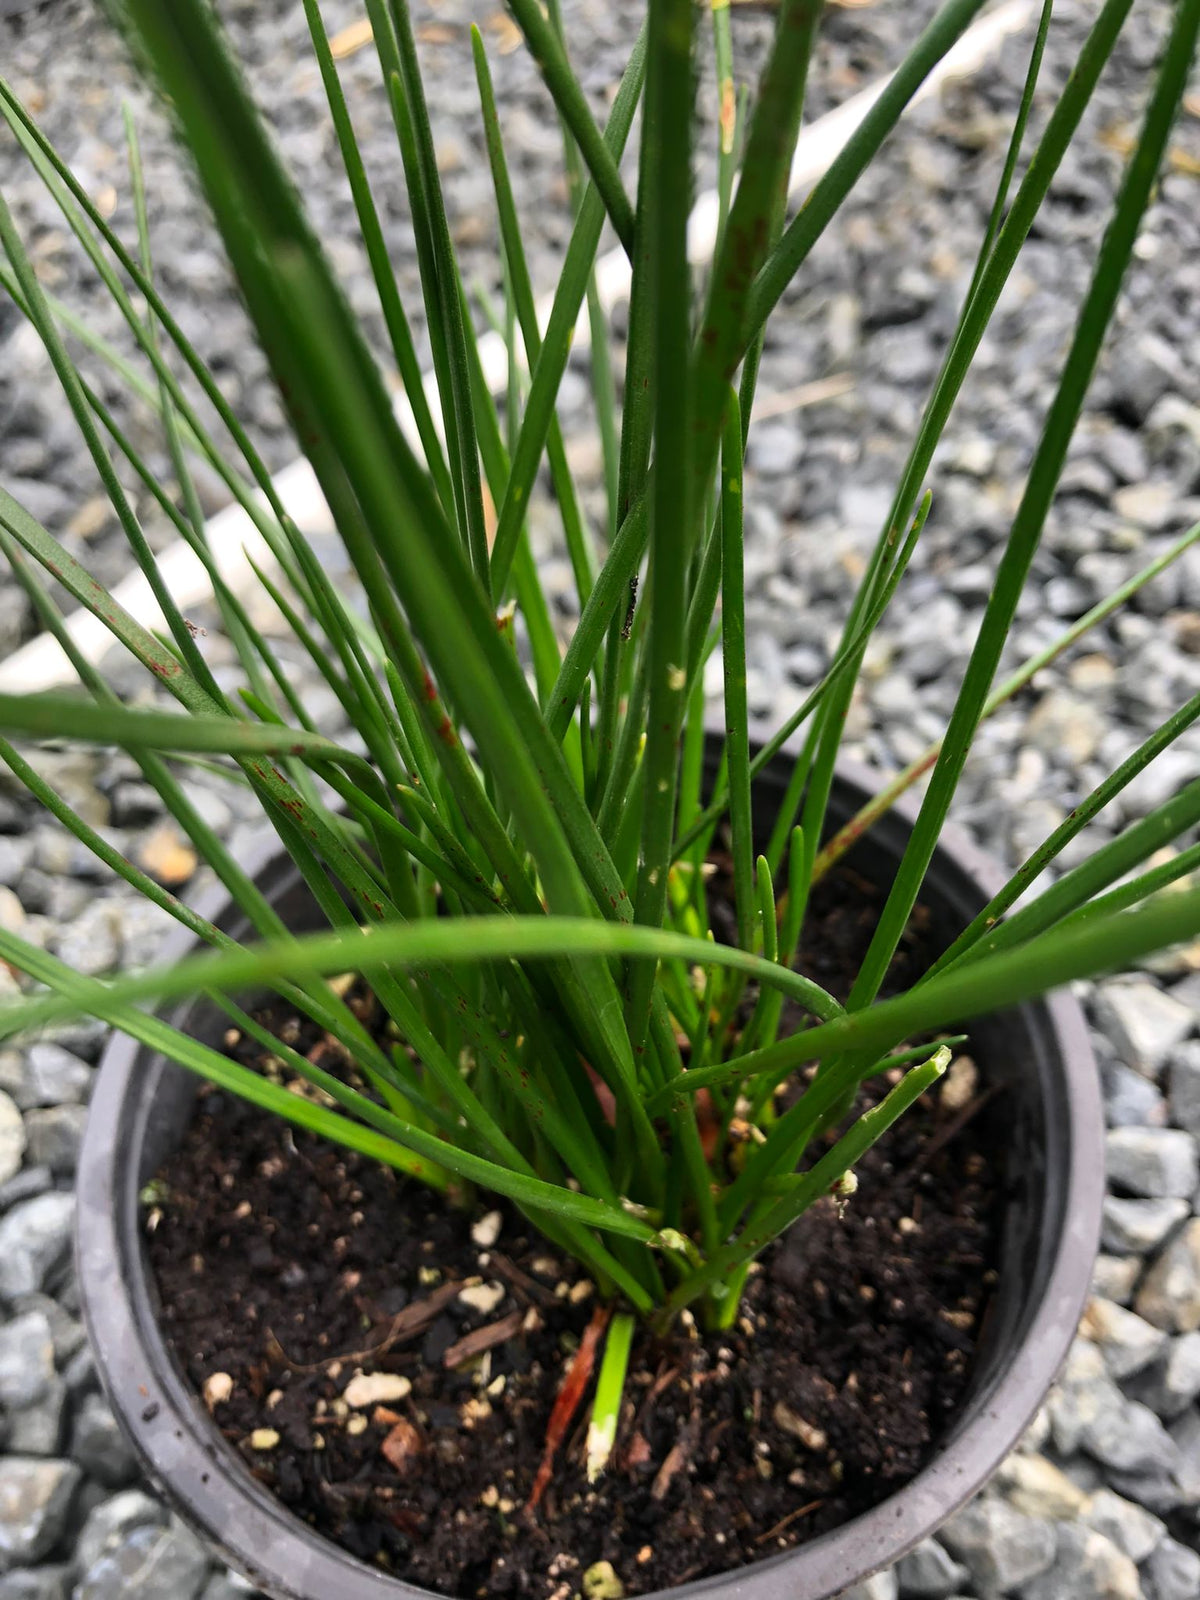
point(513, 845)
point(758, 202)
point(822, 205)
point(560, 330)
point(390, 302)
point(733, 660)
point(879, 804)
point(668, 98)
point(547, 49)
point(1115, 252)
point(1077, 819)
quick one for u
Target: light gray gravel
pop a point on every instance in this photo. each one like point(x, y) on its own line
point(12, 1139)
point(1143, 1023)
point(1104, 1497)
point(1154, 1163)
point(112, 1520)
point(1172, 1381)
point(930, 1572)
point(35, 1243)
point(1125, 1524)
point(1173, 1572)
point(1170, 1292)
point(1127, 1342)
point(1087, 1566)
point(1139, 1225)
point(883, 1586)
point(35, 1499)
point(1131, 1101)
point(148, 1564)
point(1000, 1547)
point(73, 73)
point(99, 1446)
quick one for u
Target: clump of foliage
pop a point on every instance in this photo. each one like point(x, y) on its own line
point(512, 849)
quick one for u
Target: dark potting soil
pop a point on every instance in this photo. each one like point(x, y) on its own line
point(387, 1364)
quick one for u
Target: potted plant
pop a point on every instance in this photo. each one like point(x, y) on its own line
point(529, 934)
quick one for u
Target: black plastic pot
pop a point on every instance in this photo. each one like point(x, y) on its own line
point(142, 1104)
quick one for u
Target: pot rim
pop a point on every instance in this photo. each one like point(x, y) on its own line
point(200, 1475)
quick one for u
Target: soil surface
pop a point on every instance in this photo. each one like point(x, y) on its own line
point(388, 1364)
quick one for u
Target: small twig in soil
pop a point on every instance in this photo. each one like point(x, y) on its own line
point(567, 1401)
point(406, 1324)
point(521, 1281)
point(474, 1344)
point(345, 1490)
point(952, 1129)
point(661, 1383)
point(677, 1455)
point(786, 1522)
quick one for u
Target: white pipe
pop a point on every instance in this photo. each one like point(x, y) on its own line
point(233, 538)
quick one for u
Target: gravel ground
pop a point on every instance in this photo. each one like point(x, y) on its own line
point(1103, 1498)
point(70, 70)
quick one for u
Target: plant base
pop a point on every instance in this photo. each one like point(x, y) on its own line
point(289, 1272)
point(141, 1108)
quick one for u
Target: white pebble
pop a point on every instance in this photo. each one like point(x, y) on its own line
point(375, 1388)
point(483, 1297)
point(487, 1230)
